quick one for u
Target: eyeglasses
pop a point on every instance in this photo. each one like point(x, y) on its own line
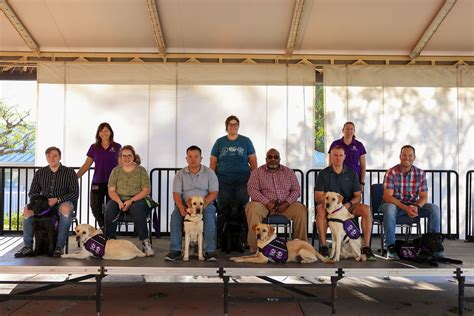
point(276, 157)
point(127, 156)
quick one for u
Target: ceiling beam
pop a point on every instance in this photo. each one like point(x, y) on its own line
point(18, 25)
point(295, 24)
point(432, 28)
point(155, 22)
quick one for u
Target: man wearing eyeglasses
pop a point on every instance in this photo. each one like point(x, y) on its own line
point(274, 188)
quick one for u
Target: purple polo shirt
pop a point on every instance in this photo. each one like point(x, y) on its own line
point(105, 160)
point(353, 152)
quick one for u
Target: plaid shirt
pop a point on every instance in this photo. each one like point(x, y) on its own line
point(406, 187)
point(265, 186)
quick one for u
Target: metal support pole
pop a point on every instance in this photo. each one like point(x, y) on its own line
point(98, 290)
point(334, 279)
point(461, 280)
point(225, 278)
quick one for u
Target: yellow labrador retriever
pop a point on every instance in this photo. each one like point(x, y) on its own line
point(343, 246)
point(271, 248)
point(193, 226)
point(93, 239)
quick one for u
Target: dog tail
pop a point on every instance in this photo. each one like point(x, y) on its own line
point(323, 258)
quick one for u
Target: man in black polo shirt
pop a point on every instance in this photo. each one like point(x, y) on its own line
point(59, 184)
point(340, 179)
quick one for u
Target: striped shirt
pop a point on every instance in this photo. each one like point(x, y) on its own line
point(265, 186)
point(61, 184)
point(406, 187)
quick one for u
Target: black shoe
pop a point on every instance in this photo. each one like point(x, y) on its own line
point(368, 253)
point(210, 256)
point(324, 250)
point(25, 252)
point(58, 252)
point(173, 255)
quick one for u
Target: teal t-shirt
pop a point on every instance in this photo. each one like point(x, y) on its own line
point(232, 158)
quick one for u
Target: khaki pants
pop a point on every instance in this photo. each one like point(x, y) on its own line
point(256, 212)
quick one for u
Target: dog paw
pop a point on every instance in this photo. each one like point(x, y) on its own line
point(185, 258)
point(201, 258)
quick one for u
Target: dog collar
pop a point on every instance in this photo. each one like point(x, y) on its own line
point(337, 209)
point(44, 212)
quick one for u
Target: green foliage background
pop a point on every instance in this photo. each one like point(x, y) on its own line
point(319, 118)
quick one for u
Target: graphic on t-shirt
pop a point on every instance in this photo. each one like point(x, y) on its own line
point(232, 151)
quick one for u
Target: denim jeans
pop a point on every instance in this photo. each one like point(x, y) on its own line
point(138, 212)
point(391, 213)
point(230, 192)
point(63, 228)
point(176, 227)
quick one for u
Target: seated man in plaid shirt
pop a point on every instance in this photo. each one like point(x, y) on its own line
point(405, 194)
point(274, 188)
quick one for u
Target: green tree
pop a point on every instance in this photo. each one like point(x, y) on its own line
point(319, 118)
point(16, 133)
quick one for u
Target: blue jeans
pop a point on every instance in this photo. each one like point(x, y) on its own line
point(391, 213)
point(138, 212)
point(176, 227)
point(63, 228)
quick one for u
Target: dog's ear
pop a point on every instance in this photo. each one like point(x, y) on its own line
point(339, 198)
point(189, 202)
point(254, 227)
point(271, 230)
point(91, 230)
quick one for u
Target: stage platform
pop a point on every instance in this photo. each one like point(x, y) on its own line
point(224, 270)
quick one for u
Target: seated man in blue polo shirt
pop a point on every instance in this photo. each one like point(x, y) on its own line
point(194, 180)
point(340, 179)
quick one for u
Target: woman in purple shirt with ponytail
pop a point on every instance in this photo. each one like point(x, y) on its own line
point(354, 150)
point(104, 153)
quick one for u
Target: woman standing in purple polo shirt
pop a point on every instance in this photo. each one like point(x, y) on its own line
point(104, 153)
point(354, 150)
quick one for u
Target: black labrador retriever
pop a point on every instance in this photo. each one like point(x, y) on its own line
point(45, 225)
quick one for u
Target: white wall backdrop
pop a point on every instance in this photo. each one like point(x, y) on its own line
point(429, 107)
point(161, 109)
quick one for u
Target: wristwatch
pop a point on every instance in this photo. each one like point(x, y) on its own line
point(59, 200)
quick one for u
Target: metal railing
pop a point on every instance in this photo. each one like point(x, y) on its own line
point(443, 187)
point(469, 206)
point(15, 184)
point(443, 191)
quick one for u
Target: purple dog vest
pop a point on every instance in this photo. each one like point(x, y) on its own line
point(276, 251)
point(54, 219)
point(407, 252)
point(96, 245)
point(351, 229)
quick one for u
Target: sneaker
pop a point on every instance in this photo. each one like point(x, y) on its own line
point(210, 256)
point(25, 252)
point(173, 255)
point(324, 250)
point(392, 253)
point(439, 254)
point(147, 248)
point(368, 253)
point(58, 252)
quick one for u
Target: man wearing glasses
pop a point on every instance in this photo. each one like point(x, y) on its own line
point(274, 188)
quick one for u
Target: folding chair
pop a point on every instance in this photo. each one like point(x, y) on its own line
point(376, 197)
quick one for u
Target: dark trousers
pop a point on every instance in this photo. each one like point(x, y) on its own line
point(231, 193)
point(138, 212)
point(99, 192)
